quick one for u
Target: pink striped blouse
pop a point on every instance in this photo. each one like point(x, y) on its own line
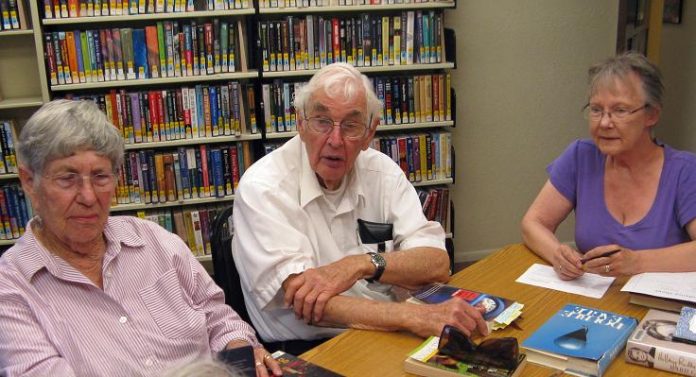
point(158, 308)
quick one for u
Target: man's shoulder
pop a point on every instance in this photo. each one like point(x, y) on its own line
point(276, 167)
point(373, 160)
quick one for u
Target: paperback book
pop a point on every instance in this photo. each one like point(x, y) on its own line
point(294, 366)
point(498, 312)
point(653, 345)
point(579, 340)
point(457, 356)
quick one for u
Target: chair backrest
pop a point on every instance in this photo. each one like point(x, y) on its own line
point(224, 269)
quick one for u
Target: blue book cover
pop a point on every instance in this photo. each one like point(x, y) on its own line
point(686, 326)
point(140, 53)
point(184, 172)
point(579, 340)
point(497, 311)
point(78, 57)
point(218, 175)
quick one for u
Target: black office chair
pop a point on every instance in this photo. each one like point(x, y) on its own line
point(224, 269)
point(227, 277)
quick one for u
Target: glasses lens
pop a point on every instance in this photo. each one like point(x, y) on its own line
point(102, 182)
point(353, 129)
point(66, 181)
point(320, 125)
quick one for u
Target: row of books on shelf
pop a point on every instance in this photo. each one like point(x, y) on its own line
point(314, 41)
point(334, 3)
point(165, 49)
point(8, 136)
point(12, 15)
point(96, 8)
point(436, 205)
point(406, 99)
point(15, 211)
point(415, 99)
point(191, 224)
point(422, 156)
point(204, 171)
point(145, 116)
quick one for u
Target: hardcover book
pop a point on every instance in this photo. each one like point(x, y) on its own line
point(579, 340)
point(652, 345)
point(499, 312)
point(294, 366)
point(686, 326)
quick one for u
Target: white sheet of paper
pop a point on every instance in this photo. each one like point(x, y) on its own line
point(673, 285)
point(590, 285)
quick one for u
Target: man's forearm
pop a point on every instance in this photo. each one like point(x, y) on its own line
point(422, 320)
point(365, 314)
point(415, 267)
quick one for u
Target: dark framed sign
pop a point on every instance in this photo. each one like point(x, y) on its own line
point(672, 12)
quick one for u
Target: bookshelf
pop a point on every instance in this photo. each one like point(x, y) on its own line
point(222, 123)
point(294, 42)
point(34, 52)
point(21, 93)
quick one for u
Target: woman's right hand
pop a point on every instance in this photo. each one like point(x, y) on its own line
point(567, 263)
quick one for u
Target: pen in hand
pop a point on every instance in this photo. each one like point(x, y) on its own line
point(607, 254)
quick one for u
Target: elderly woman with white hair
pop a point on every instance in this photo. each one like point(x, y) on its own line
point(86, 294)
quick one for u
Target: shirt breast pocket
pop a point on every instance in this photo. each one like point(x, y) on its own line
point(169, 309)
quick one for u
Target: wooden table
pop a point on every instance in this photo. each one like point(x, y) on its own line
point(373, 353)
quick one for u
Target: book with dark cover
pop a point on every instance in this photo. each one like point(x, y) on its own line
point(652, 345)
point(241, 359)
point(294, 366)
point(499, 312)
point(579, 340)
point(427, 360)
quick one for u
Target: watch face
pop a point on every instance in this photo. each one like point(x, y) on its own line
point(380, 264)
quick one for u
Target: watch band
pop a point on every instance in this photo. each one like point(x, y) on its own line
point(379, 263)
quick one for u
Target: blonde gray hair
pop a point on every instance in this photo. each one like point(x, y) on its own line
point(62, 127)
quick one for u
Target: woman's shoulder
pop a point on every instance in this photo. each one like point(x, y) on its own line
point(581, 150)
point(686, 158)
point(584, 146)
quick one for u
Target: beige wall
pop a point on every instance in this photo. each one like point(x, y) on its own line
point(520, 84)
point(678, 64)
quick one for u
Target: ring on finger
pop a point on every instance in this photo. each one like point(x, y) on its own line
point(607, 268)
point(268, 356)
point(258, 364)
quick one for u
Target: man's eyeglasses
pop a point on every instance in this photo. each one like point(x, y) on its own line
point(350, 129)
point(101, 182)
point(596, 113)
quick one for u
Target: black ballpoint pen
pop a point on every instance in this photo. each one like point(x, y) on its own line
point(607, 254)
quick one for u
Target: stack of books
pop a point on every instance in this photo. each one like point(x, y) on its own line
point(663, 290)
point(665, 340)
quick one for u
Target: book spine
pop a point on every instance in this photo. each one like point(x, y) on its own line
point(218, 188)
point(664, 358)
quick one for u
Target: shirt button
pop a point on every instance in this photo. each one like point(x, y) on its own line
point(149, 362)
point(123, 319)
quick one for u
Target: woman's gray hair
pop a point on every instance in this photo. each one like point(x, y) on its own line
point(62, 127)
point(621, 66)
point(339, 81)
